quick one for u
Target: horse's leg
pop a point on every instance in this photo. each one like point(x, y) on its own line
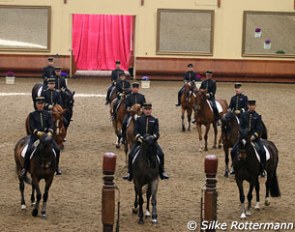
point(215, 135)
point(154, 189)
point(226, 160)
point(242, 198)
point(48, 182)
point(199, 129)
point(206, 137)
point(148, 197)
point(257, 189)
point(189, 118)
point(119, 134)
point(22, 189)
point(33, 196)
point(267, 186)
point(37, 187)
point(182, 120)
point(249, 197)
point(135, 208)
point(140, 201)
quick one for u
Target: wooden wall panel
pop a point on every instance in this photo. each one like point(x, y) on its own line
point(29, 65)
point(224, 69)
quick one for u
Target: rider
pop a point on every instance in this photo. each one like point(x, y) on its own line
point(239, 102)
point(251, 126)
point(210, 86)
point(114, 78)
point(122, 88)
point(146, 124)
point(60, 82)
point(133, 98)
point(189, 76)
point(48, 71)
point(51, 96)
point(40, 124)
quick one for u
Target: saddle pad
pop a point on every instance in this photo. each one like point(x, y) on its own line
point(23, 153)
point(267, 154)
point(238, 120)
point(39, 91)
point(219, 107)
point(136, 154)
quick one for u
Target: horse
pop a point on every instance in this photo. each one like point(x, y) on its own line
point(146, 172)
point(134, 111)
point(247, 167)
point(118, 120)
point(42, 166)
point(204, 115)
point(187, 104)
point(68, 105)
point(59, 131)
point(230, 133)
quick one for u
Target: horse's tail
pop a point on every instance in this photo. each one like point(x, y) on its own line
point(274, 185)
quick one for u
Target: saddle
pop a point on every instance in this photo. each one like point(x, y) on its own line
point(137, 151)
point(218, 106)
point(34, 148)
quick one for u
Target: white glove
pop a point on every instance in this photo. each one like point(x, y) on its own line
point(121, 94)
point(140, 139)
point(237, 111)
point(207, 95)
point(253, 137)
point(50, 107)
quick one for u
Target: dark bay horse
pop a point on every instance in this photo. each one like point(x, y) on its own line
point(187, 103)
point(68, 105)
point(247, 167)
point(42, 166)
point(118, 120)
point(204, 116)
point(134, 111)
point(146, 172)
point(230, 134)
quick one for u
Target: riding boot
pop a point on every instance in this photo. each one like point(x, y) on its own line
point(129, 176)
point(162, 173)
point(57, 171)
point(178, 98)
point(26, 164)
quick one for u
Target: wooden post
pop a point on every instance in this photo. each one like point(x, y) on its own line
point(218, 3)
point(210, 204)
point(108, 192)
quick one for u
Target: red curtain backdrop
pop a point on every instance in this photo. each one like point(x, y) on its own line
point(100, 40)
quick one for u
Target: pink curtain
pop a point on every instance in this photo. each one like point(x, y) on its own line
point(100, 40)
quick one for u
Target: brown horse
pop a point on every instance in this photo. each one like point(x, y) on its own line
point(118, 120)
point(59, 131)
point(134, 111)
point(42, 166)
point(187, 104)
point(204, 116)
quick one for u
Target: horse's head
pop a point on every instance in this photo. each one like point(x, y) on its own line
point(45, 146)
point(200, 99)
point(58, 118)
point(245, 146)
point(135, 110)
point(68, 98)
point(149, 148)
point(227, 122)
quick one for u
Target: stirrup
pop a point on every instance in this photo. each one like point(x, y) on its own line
point(164, 176)
point(128, 177)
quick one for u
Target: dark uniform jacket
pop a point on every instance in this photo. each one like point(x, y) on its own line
point(190, 76)
point(239, 102)
point(40, 121)
point(48, 71)
point(60, 83)
point(52, 97)
point(115, 74)
point(146, 125)
point(210, 85)
point(123, 86)
point(134, 98)
point(250, 124)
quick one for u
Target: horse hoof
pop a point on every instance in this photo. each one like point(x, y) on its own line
point(214, 147)
point(206, 149)
point(117, 146)
point(35, 212)
point(23, 207)
point(33, 204)
point(140, 222)
point(44, 216)
point(267, 203)
point(248, 213)
point(243, 216)
point(257, 207)
point(220, 146)
point(134, 210)
point(226, 174)
point(147, 214)
point(154, 221)
point(183, 129)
